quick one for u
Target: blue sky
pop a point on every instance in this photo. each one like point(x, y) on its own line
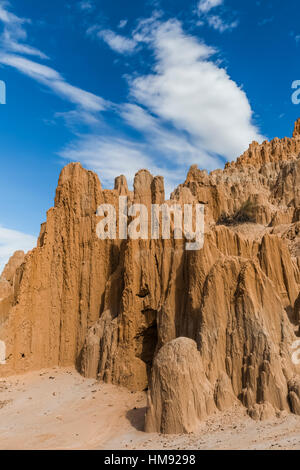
point(120, 86)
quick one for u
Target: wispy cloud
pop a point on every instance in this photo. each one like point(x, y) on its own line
point(216, 21)
point(86, 5)
point(204, 6)
point(178, 149)
point(220, 25)
point(111, 156)
point(14, 33)
point(117, 42)
point(11, 241)
point(295, 36)
point(11, 54)
point(265, 21)
point(123, 23)
point(53, 80)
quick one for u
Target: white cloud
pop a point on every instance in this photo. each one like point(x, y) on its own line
point(82, 98)
point(215, 21)
point(11, 241)
point(53, 80)
point(77, 117)
point(86, 5)
point(175, 146)
point(162, 151)
point(14, 46)
point(204, 6)
point(123, 23)
point(14, 33)
point(219, 24)
point(28, 67)
point(9, 42)
point(116, 42)
point(110, 156)
point(6, 16)
point(188, 90)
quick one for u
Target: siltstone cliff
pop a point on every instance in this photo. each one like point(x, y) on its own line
point(202, 330)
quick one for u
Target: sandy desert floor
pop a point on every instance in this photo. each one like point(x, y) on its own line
point(59, 409)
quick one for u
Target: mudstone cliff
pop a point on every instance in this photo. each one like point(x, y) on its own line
point(201, 330)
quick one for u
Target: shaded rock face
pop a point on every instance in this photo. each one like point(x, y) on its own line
point(7, 284)
point(7, 277)
point(5, 289)
point(117, 308)
point(11, 267)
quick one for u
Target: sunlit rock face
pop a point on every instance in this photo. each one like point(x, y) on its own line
point(141, 313)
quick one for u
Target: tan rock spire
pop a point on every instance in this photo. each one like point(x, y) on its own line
point(110, 306)
point(121, 185)
point(296, 133)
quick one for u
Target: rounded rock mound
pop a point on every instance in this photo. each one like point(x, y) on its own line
point(180, 395)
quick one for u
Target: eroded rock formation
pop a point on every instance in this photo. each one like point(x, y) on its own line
point(7, 277)
point(112, 307)
point(182, 394)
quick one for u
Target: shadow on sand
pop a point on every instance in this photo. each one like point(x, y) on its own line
point(136, 417)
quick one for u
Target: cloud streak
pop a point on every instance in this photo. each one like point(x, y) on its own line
point(49, 77)
point(14, 34)
point(111, 156)
point(204, 6)
point(53, 80)
point(118, 43)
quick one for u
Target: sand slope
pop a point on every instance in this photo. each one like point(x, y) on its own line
point(58, 409)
